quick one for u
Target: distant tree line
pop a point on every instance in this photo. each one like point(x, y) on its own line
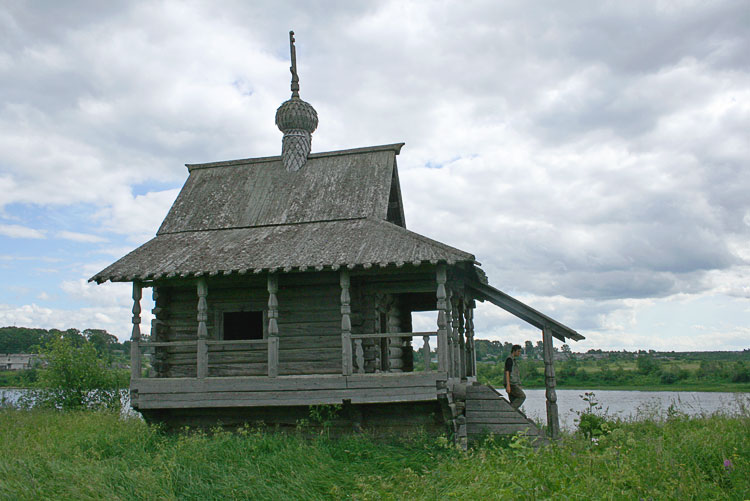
point(29, 340)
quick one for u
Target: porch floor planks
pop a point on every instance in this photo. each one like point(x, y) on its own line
point(251, 391)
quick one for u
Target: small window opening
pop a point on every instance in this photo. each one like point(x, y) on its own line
point(239, 325)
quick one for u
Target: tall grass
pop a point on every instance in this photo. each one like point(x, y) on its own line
point(97, 455)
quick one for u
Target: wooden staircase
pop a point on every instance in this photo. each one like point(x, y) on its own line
point(487, 412)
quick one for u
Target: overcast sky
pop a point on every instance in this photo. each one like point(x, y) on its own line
point(592, 155)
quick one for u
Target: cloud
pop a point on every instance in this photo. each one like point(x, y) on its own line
point(137, 216)
point(80, 237)
point(108, 318)
point(593, 158)
point(18, 231)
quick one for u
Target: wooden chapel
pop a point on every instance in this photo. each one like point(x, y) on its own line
point(289, 281)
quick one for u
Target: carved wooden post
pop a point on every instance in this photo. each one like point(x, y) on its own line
point(273, 325)
point(201, 347)
point(426, 353)
point(471, 349)
point(459, 311)
point(553, 423)
point(442, 306)
point(455, 345)
point(346, 325)
point(135, 337)
point(449, 328)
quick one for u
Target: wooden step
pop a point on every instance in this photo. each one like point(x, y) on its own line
point(488, 412)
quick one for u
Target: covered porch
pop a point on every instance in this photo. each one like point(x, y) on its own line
point(455, 293)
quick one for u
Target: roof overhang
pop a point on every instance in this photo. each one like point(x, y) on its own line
point(485, 292)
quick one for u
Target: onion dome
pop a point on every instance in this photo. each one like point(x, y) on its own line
point(297, 119)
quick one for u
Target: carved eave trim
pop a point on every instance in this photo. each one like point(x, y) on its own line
point(304, 268)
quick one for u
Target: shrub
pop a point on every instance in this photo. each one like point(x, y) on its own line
point(75, 378)
point(667, 377)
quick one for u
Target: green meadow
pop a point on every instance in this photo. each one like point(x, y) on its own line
point(85, 455)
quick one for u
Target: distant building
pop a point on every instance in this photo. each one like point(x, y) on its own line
point(17, 361)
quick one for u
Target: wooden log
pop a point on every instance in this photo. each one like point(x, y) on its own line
point(553, 422)
point(135, 336)
point(202, 349)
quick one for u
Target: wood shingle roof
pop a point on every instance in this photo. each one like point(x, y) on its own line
point(343, 208)
point(299, 247)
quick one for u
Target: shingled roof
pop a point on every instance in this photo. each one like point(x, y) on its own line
point(343, 208)
point(260, 191)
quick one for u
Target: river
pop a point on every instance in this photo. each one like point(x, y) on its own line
point(631, 405)
point(621, 404)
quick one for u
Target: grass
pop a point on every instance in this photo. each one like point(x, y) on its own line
point(88, 455)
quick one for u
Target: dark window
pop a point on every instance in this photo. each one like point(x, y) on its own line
point(243, 325)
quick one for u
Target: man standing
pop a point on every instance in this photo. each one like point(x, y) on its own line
point(513, 378)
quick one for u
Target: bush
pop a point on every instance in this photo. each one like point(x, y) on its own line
point(75, 378)
point(667, 377)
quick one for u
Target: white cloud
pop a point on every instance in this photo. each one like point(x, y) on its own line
point(136, 216)
point(18, 231)
point(594, 158)
point(80, 237)
point(113, 319)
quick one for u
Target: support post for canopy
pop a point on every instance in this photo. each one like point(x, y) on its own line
point(553, 422)
point(460, 314)
point(471, 358)
point(135, 337)
point(201, 347)
point(273, 325)
point(442, 307)
point(455, 342)
point(346, 326)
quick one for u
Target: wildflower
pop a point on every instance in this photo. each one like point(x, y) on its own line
point(728, 465)
point(595, 441)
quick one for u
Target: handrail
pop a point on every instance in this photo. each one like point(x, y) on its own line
point(383, 335)
point(359, 355)
point(271, 343)
point(236, 341)
point(167, 344)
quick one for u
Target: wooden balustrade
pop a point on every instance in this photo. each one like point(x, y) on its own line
point(359, 353)
point(271, 343)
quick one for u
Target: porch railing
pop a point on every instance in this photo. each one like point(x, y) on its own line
point(272, 344)
point(359, 354)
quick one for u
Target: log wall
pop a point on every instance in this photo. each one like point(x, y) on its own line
point(309, 327)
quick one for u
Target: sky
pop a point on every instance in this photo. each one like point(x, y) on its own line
point(593, 156)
